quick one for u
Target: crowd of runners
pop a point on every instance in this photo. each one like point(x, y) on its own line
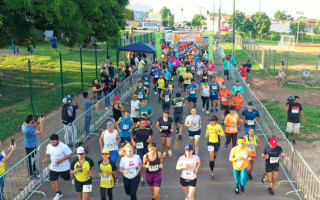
point(131, 134)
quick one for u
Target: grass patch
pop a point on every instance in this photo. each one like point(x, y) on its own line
point(308, 130)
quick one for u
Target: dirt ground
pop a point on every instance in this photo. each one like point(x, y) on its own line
point(266, 88)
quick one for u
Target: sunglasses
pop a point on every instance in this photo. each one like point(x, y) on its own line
point(104, 154)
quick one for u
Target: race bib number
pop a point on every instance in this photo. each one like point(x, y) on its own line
point(125, 126)
point(187, 79)
point(139, 145)
point(140, 95)
point(132, 173)
point(192, 92)
point(214, 87)
point(146, 83)
point(142, 113)
point(233, 128)
point(164, 127)
point(160, 84)
point(156, 76)
point(55, 166)
point(105, 178)
point(252, 148)
point(250, 122)
point(87, 188)
point(179, 104)
point(210, 148)
point(295, 111)
point(188, 174)
point(153, 168)
point(167, 97)
point(239, 163)
point(274, 160)
point(224, 99)
point(110, 146)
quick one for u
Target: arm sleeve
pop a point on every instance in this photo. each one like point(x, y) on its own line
point(90, 162)
point(114, 167)
point(99, 162)
point(73, 163)
point(258, 114)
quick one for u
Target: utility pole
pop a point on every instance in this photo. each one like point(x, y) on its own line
point(233, 28)
point(200, 9)
point(219, 19)
point(299, 13)
point(213, 20)
point(260, 6)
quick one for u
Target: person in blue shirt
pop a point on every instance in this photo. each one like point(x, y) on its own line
point(125, 125)
point(53, 42)
point(31, 141)
point(233, 61)
point(196, 57)
point(191, 92)
point(157, 73)
point(236, 88)
point(166, 74)
point(250, 116)
point(146, 79)
point(214, 90)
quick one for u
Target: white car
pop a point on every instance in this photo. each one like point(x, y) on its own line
point(167, 30)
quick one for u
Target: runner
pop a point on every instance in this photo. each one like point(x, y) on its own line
point(236, 88)
point(231, 127)
point(117, 108)
point(239, 156)
point(108, 170)
point(141, 91)
point(82, 168)
point(252, 141)
point(189, 165)
point(205, 75)
point(59, 154)
point(191, 92)
point(153, 162)
point(211, 67)
point(187, 79)
point(164, 126)
point(181, 71)
point(193, 121)
point(214, 91)
point(237, 101)
point(192, 67)
point(224, 96)
point(220, 80)
point(166, 96)
point(272, 153)
point(130, 165)
point(170, 86)
point(152, 70)
point(141, 137)
point(250, 116)
point(157, 73)
point(125, 125)
point(200, 67)
point(166, 74)
point(205, 95)
point(214, 130)
point(146, 81)
point(161, 83)
point(178, 104)
point(135, 103)
point(226, 66)
point(147, 110)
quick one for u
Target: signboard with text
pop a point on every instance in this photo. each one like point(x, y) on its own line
point(183, 37)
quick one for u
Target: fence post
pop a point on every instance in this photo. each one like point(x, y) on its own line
point(31, 93)
point(147, 37)
point(140, 38)
point(316, 72)
point(262, 56)
point(81, 69)
point(61, 73)
point(275, 60)
point(96, 55)
point(254, 52)
point(107, 48)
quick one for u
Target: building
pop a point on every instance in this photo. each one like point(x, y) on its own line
point(310, 24)
point(280, 26)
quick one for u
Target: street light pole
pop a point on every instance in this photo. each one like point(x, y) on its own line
point(299, 13)
point(233, 29)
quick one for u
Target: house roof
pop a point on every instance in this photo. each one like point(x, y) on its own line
point(311, 22)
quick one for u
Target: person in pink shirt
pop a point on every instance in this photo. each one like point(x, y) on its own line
point(243, 71)
point(211, 67)
point(189, 165)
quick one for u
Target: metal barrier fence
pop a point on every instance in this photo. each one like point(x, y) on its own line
point(18, 186)
point(300, 176)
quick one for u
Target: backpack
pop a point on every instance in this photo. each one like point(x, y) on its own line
point(67, 114)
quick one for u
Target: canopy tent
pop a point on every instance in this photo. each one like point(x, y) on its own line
point(138, 47)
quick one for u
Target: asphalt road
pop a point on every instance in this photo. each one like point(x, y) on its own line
point(221, 187)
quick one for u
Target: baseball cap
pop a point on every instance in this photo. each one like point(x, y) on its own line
point(81, 150)
point(110, 124)
point(139, 81)
point(178, 94)
point(240, 141)
point(273, 142)
point(250, 103)
point(105, 151)
point(188, 147)
point(192, 79)
point(116, 98)
point(232, 108)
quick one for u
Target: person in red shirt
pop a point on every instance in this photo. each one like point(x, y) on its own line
point(224, 97)
point(211, 67)
point(243, 71)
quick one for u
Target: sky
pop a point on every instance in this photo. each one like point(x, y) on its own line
point(310, 8)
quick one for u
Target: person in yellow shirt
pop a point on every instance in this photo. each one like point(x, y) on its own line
point(160, 83)
point(106, 174)
point(252, 141)
point(231, 123)
point(187, 79)
point(214, 130)
point(239, 156)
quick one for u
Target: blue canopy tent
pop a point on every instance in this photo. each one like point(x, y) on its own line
point(138, 47)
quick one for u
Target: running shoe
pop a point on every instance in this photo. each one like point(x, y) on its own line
point(250, 176)
point(58, 196)
point(155, 92)
point(170, 153)
point(207, 112)
point(271, 191)
point(164, 154)
point(106, 108)
point(216, 109)
point(202, 109)
point(180, 137)
point(177, 130)
point(225, 145)
point(236, 190)
point(293, 141)
point(153, 198)
point(212, 174)
point(242, 188)
point(72, 181)
point(34, 177)
point(142, 181)
point(222, 122)
point(211, 110)
point(116, 181)
point(263, 179)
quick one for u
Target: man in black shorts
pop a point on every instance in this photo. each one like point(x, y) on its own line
point(177, 104)
point(59, 154)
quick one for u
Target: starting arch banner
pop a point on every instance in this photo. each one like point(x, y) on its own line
point(183, 37)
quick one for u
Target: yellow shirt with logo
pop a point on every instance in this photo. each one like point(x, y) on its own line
point(251, 145)
point(107, 181)
point(242, 157)
point(2, 164)
point(161, 83)
point(211, 131)
point(86, 166)
point(187, 78)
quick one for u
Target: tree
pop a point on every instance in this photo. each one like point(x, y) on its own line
point(294, 28)
point(128, 14)
point(261, 23)
point(316, 29)
point(188, 23)
point(242, 25)
point(167, 17)
point(281, 15)
point(196, 20)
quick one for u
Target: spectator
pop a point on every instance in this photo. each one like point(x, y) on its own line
point(4, 157)
point(121, 64)
point(243, 72)
point(97, 90)
point(102, 65)
point(249, 66)
point(68, 116)
point(127, 71)
point(108, 61)
point(87, 110)
point(111, 70)
point(236, 88)
point(30, 142)
point(122, 75)
point(281, 74)
point(53, 42)
point(104, 76)
point(136, 60)
point(233, 61)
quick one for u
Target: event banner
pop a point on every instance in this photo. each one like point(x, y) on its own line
point(183, 37)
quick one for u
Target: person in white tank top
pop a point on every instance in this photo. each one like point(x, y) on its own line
point(205, 95)
point(135, 103)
